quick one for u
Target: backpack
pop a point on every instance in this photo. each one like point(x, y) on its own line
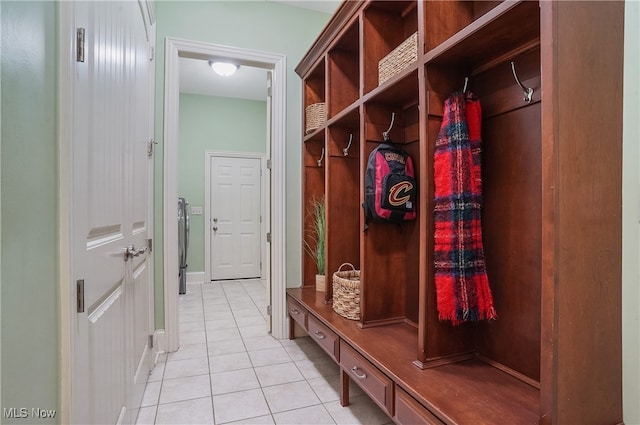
point(389, 185)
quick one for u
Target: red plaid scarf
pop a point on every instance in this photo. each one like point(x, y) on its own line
point(462, 287)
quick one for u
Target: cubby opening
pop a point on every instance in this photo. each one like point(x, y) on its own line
point(443, 19)
point(386, 25)
point(512, 190)
point(390, 252)
point(344, 71)
point(512, 217)
point(314, 157)
point(314, 93)
point(343, 196)
point(501, 33)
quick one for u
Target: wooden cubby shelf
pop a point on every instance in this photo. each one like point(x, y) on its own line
point(386, 24)
point(550, 220)
point(344, 70)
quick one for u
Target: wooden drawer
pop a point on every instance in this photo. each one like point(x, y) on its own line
point(410, 412)
point(325, 337)
point(297, 313)
point(368, 377)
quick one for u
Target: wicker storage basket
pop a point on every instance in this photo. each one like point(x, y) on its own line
point(316, 115)
point(346, 292)
point(398, 59)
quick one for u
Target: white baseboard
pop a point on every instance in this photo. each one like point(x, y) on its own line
point(195, 277)
point(159, 344)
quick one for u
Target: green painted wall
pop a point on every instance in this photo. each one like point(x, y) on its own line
point(630, 219)
point(210, 123)
point(256, 25)
point(30, 324)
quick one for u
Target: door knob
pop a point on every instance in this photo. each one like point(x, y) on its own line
point(131, 252)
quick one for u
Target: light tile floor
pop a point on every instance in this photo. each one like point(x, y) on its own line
point(229, 370)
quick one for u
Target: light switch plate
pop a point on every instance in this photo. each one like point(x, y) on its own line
point(196, 210)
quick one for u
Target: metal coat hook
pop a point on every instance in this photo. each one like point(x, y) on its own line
point(466, 83)
point(345, 151)
point(321, 157)
point(385, 134)
point(528, 91)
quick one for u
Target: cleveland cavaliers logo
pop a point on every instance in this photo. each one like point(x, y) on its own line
point(399, 194)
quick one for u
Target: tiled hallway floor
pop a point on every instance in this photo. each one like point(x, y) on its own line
point(229, 370)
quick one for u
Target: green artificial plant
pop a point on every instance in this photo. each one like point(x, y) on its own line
point(314, 244)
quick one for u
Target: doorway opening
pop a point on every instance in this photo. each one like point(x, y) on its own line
point(275, 174)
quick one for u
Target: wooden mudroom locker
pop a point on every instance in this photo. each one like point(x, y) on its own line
point(551, 218)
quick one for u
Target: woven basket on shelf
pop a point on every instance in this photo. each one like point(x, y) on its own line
point(398, 59)
point(346, 292)
point(316, 115)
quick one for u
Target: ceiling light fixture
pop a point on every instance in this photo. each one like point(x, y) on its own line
point(223, 68)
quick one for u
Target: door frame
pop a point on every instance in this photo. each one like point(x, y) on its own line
point(264, 211)
point(174, 49)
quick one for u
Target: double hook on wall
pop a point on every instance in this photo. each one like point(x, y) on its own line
point(345, 151)
point(321, 158)
point(385, 134)
point(528, 91)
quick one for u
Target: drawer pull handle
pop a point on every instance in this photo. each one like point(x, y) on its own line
point(295, 311)
point(355, 372)
point(319, 334)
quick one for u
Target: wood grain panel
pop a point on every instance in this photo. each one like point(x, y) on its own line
point(409, 412)
point(460, 393)
point(587, 217)
point(386, 24)
point(324, 337)
point(314, 85)
point(344, 71)
point(343, 204)
point(443, 19)
point(512, 238)
point(368, 377)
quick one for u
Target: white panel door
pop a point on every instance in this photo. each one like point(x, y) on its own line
point(235, 218)
point(111, 211)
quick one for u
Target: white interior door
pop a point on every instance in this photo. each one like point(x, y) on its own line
point(111, 113)
point(235, 211)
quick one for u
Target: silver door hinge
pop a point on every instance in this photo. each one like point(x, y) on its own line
point(268, 164)
point(269, 87)
point(150, 341)
point(80, 45)
point(152, 53)
point(268, 310)
point(150, 146)
point(80, 296)
point(269, 237)
point(150, 244)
